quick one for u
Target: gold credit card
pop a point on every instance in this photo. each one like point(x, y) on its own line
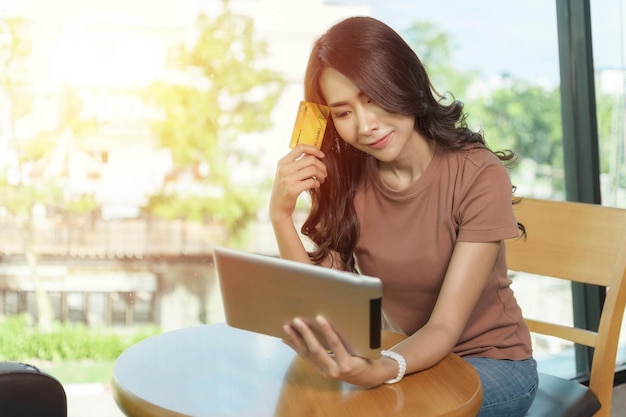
point(310, 124)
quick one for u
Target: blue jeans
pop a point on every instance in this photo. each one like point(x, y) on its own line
point(509, 387)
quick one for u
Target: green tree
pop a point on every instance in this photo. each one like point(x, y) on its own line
point(517, 116)
point(15, 48)
point(434, 48)
point(612, 142)
point(19, 197)
point(219, 91)
point(525, 118)
point(20, 193)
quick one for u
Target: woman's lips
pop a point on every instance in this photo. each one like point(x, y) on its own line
point(381, 142)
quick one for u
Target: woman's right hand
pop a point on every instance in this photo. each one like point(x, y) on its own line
point(300, 170)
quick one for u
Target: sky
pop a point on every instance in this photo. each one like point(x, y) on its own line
point(518, 37)
point(514, 36)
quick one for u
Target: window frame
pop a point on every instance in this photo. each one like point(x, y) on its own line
point(580, 148)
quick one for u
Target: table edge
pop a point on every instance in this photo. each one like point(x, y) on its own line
point(134, 406)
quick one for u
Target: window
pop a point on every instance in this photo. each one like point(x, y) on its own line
point(82, 106)
point(609, 47)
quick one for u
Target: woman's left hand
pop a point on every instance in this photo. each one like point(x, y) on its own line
point(339, 364)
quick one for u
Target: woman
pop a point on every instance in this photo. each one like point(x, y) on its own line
point(403, 190)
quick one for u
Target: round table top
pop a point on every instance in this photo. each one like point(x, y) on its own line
point(217, 370)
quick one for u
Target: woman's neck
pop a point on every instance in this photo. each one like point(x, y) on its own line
point(407, 169)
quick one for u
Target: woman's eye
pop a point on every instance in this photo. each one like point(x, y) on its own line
point(341, 114)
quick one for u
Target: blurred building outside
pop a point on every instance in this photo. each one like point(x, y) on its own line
point(115, 265)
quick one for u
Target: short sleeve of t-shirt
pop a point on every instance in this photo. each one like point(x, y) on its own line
point(483, 199)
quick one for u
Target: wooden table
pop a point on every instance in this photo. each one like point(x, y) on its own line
point(216, 370)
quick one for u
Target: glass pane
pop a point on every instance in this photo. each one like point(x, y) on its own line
point(609, 54)
point(609, 47)
point(121, 221)
point(547, 298)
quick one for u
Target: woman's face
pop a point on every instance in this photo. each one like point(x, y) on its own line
point(362, 123)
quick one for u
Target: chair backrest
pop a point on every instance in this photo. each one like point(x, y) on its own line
point(583, 243)
point(25, 391)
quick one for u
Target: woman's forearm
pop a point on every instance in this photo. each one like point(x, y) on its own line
point(290, 245)
point(425, 348)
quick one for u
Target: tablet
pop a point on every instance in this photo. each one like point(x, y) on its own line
point(261, 293)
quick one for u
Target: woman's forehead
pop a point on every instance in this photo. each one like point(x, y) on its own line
point(336, 88)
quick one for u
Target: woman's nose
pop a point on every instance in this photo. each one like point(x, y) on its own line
point(367, 122)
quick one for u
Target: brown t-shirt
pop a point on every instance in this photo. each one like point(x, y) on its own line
point(407, 238)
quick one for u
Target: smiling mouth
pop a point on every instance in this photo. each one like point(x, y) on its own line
point(380, 143)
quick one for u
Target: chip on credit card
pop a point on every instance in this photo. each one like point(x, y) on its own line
point(310, 125)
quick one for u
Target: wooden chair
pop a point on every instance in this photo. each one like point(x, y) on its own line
point(583, 243)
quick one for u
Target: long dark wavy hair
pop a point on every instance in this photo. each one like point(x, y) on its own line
point(384, 68)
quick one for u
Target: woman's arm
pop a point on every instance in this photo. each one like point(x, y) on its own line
point(465, 279)
point(300, 170)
